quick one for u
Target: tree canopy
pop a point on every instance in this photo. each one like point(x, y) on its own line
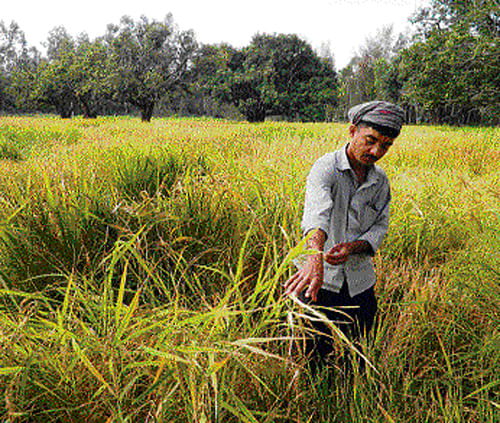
point(148, 59)
point(278, 75)
point(452, 70)
point(447, 71)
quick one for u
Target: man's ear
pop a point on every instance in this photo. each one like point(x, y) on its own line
point(352, 130)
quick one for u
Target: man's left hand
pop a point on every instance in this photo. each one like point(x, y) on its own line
point(339, 253)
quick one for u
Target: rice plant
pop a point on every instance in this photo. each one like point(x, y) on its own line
point(141, 270)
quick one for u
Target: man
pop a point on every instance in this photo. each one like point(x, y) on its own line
point(347, 209)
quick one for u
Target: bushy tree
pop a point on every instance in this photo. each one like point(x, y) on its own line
point(479, 17)
point(55, 84)
point(281, 75)
point(13, 53)
point(452, 71)
point(89, 72)
point(71, 78)
point(373, 71)
point(454, 77)
point(211, 76)
point(23, 82)
point(148, 60)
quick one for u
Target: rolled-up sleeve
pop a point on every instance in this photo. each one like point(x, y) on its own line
point(318, 199)
point(374, 235)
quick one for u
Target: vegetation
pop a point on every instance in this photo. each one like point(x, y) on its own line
point(281, 75)
point(458, 41)
point(148, 60)
point(141, 269)
point(446, 71)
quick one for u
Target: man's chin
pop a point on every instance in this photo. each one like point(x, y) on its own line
point(368, 161)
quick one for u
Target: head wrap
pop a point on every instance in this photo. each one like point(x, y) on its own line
point(381, 113)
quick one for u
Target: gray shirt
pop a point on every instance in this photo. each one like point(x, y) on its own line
point(347, 211)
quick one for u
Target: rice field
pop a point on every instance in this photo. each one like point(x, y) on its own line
point(141, 269)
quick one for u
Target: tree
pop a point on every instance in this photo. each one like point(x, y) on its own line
point(281, 75)
point(148, 59)
point(373, 72)
point(70, 78)
point(13, 50)
point(454, 77)
point(479, 17)
point(54, 84)
point(211, 76)
point(326, 53)
point(89, 71)
point(452, 72)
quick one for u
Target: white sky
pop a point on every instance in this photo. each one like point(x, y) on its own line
point(343, 23)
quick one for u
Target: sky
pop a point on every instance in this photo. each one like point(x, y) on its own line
point(344, 24)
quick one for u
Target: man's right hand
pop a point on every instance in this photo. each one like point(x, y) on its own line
point(310, 276)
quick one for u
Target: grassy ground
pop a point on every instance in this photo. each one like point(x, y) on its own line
point(140, 270)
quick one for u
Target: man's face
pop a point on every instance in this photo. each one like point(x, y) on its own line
point(367, 145)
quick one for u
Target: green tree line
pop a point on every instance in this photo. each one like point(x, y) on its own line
point(448, 71)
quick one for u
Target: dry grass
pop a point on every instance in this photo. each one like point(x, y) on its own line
point(141, 269)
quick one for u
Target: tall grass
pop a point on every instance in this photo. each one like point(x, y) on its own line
point(141, 268)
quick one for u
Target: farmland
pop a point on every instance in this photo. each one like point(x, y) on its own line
point(141, 269)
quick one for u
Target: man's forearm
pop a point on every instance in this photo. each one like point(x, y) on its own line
point(317, 240)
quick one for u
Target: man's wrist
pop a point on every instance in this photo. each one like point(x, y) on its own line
point(317, 240)
point(316, 258)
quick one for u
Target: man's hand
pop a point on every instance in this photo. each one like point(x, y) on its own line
point(339, 253)
point(311, 276)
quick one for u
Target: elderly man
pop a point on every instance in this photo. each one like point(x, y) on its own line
point(347, 209)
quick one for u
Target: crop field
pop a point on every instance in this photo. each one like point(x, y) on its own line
point(141, 268)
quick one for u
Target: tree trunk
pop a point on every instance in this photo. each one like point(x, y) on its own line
point(147, 112)
point(88, 111)
point(255, 113)
point(65, 112)
point(63, 106)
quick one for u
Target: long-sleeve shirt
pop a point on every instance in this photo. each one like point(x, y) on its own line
point(346, 211)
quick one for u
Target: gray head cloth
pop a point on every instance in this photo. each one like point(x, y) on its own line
point(378, 112)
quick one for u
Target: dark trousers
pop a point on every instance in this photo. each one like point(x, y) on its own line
point(355, 321)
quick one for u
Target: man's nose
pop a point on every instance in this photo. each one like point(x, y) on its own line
point(376, 151)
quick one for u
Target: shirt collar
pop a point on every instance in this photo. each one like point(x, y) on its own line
point(343, 164)
point(342, 160)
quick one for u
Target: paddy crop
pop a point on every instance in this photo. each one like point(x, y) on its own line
point(141, 269)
